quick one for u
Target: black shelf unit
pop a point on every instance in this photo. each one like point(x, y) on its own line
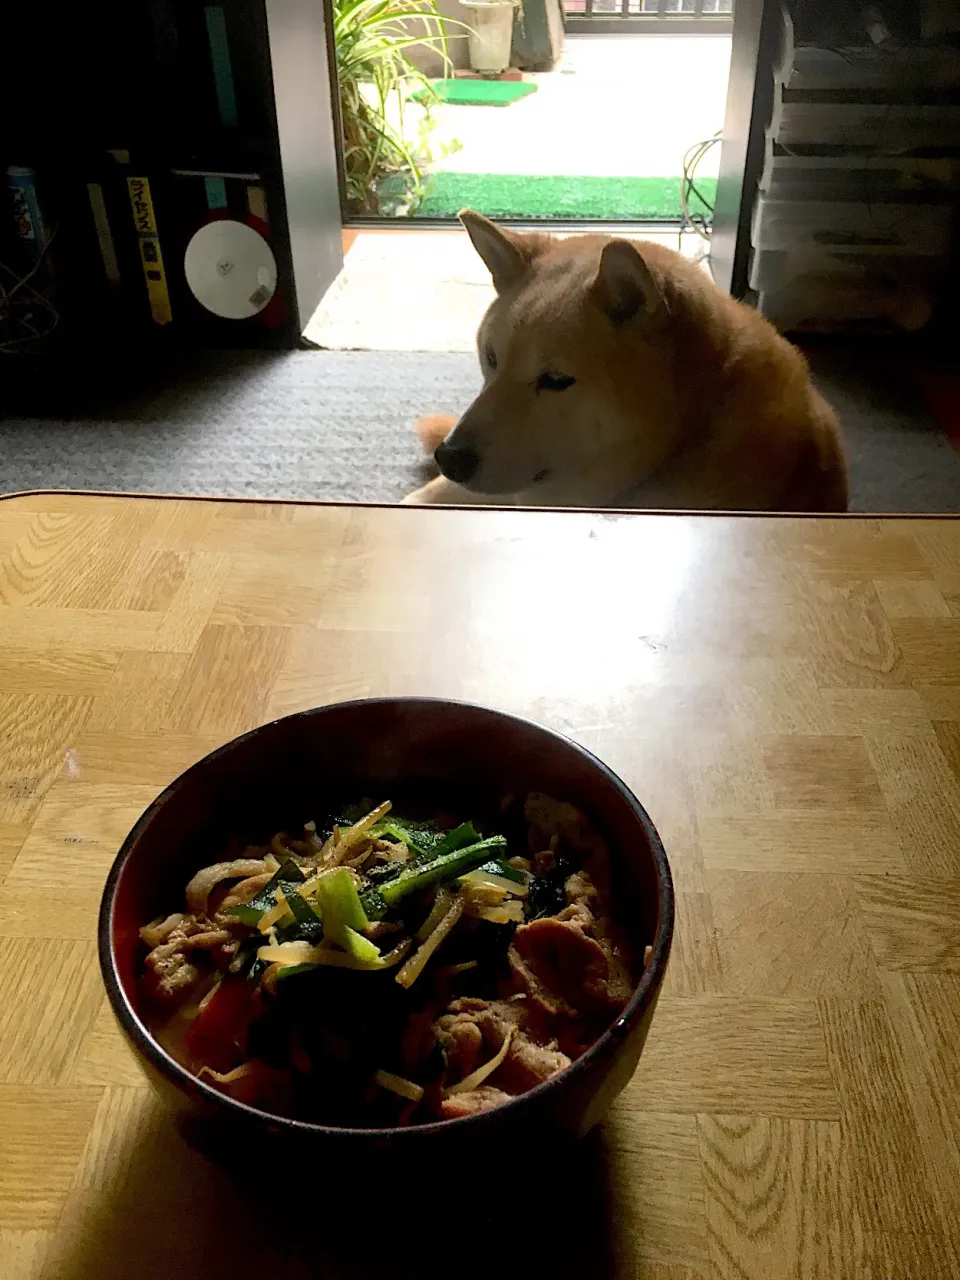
point(223, 109)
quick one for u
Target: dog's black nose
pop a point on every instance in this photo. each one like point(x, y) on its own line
point(456, 464)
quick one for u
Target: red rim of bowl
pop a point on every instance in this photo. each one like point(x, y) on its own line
point(188, 1082)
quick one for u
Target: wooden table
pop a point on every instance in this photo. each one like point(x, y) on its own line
point(784, 695)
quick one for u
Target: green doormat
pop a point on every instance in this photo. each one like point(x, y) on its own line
point(478, 93)
point(515, 195)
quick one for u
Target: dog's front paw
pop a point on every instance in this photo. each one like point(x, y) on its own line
point(427, 493)
point(438, 492)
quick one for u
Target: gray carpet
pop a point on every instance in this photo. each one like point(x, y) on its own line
point(316, 424)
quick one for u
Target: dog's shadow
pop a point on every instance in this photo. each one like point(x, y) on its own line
point(154, 1208)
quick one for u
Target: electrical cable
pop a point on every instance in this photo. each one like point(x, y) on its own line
point(17, 313)
point(697, 222)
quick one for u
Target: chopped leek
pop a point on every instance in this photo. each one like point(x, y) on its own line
point(361, 948)
point(459, 838)
point(301, 910)
point(340, 906)
point(424, 875)
point(306, 922)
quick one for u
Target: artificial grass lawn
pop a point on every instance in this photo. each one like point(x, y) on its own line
point(478, 93)
point(514, 195)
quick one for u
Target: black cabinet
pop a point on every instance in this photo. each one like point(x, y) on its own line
point(134, 125)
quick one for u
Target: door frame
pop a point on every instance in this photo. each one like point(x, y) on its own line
point(755, 28)
point(756, 34)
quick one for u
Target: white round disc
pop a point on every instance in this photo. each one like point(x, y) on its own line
point(230, 269)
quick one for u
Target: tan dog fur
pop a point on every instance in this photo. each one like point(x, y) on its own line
point(682, 397)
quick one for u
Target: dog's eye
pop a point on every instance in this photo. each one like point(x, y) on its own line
point(554, 382)
point(490, 356)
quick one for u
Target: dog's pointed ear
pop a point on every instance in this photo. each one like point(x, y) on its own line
point(625, 287)
point(507, 254)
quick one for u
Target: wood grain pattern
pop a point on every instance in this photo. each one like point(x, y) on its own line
point(23, 1253)
point(814, 772)
point(139, 693)
point(12, 837)
point(654, 1179)
point(922, 796)
point(883, 1148)
point(44, 1131)
point(718, 1053)
point(49, 995)
point(783, 694)
point(790, 933)
point(70, 673)
point(797, 1220)
point(948, 739)
point(77, 832)
point(913, 922)
point(925, 1012)
point(36, 730)
point(908, 598)
point(931, 647)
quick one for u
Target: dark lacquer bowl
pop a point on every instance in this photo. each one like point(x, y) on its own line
point(306, 765)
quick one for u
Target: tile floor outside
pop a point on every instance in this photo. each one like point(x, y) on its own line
point(616, 106)
point(415, 289)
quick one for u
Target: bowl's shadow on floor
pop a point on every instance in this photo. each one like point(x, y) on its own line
point(156, 1209)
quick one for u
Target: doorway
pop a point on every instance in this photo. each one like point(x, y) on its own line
point(601, 116)
point(620, 131)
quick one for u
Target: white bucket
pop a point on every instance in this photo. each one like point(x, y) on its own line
point(491, 34)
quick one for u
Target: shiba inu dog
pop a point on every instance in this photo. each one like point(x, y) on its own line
point(617, 374)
